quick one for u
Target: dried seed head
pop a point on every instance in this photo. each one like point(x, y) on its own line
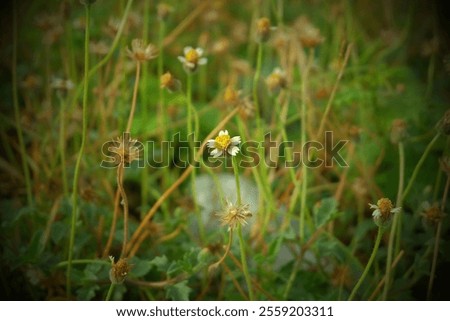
point(169, 82)
point(125, 150)
point(383, 212)
point(263, 29)
point(118, 271)
point(276, 80)
point(398, 131)
point(139, 52)
point(235, 215)
point(309, 35)
point(231, 95)
point(432, 214)
point(163, 11)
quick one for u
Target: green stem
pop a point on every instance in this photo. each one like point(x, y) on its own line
point(369, 264)
point(191, 139)
point(436, 242)
point(80, 153)
point(244, 264)
point(304, 185)
point(396, 223)
point(134, 99)
point(108, 55)
point(15, 94)
point(145, 103)
point(419, 165)
point(62, 145)
point(241, 239)
point(110, 292)
point(238, 183)
point(83, 261)
point(255, 87)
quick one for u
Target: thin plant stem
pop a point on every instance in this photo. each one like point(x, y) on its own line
point(255, 86)
point(113, 224)
point(62, 145)
point(213, 266)
point(238, 183)
point(244, 264)
point(369, 264)
point(394, 228)
point(120, 170)
point(80, 153)
point(15, 94)
point(419, 165)
point(133, 103)
point(241, 239)
point(192, 140)
point(110, 292)
point(333, 92)
point(145, 98)
point(436, 242)
point(304, 186)
point(108, 55)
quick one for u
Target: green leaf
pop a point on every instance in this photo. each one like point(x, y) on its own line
point(142, 267)
point(178, 292)
point(161, 263)
point(325, 211)
point(87, 293)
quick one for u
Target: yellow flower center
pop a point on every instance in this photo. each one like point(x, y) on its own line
point(192, 56)
point(222, 142)
point(385, 206)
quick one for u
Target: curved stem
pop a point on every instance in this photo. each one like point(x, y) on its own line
point(213, 266)
point(120, 170)
point(133, 103)
point(110, 292)
point(369, 264)
point(255, 86)
point(80, 153)
point(396, 223)
point(419, 165)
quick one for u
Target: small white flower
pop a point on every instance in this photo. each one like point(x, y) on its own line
point(192, 58)
point(224, 144)
point(383, 211)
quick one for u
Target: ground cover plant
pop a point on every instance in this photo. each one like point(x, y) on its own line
point(224, 150)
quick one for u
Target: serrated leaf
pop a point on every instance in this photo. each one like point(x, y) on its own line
point(141, 267)
point(325, 211)
point(178, 292)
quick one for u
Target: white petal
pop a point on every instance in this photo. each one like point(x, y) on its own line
point(202, 61)
point(376, 213)
point(199, 51)
point(233, 150)
point(373, 206)
point(190, 65)
point(222, 132)
point(187, 49)
point(211, 143)
point(216, 152)
point(182, 59)
point(396, 210)
point(236, 140)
